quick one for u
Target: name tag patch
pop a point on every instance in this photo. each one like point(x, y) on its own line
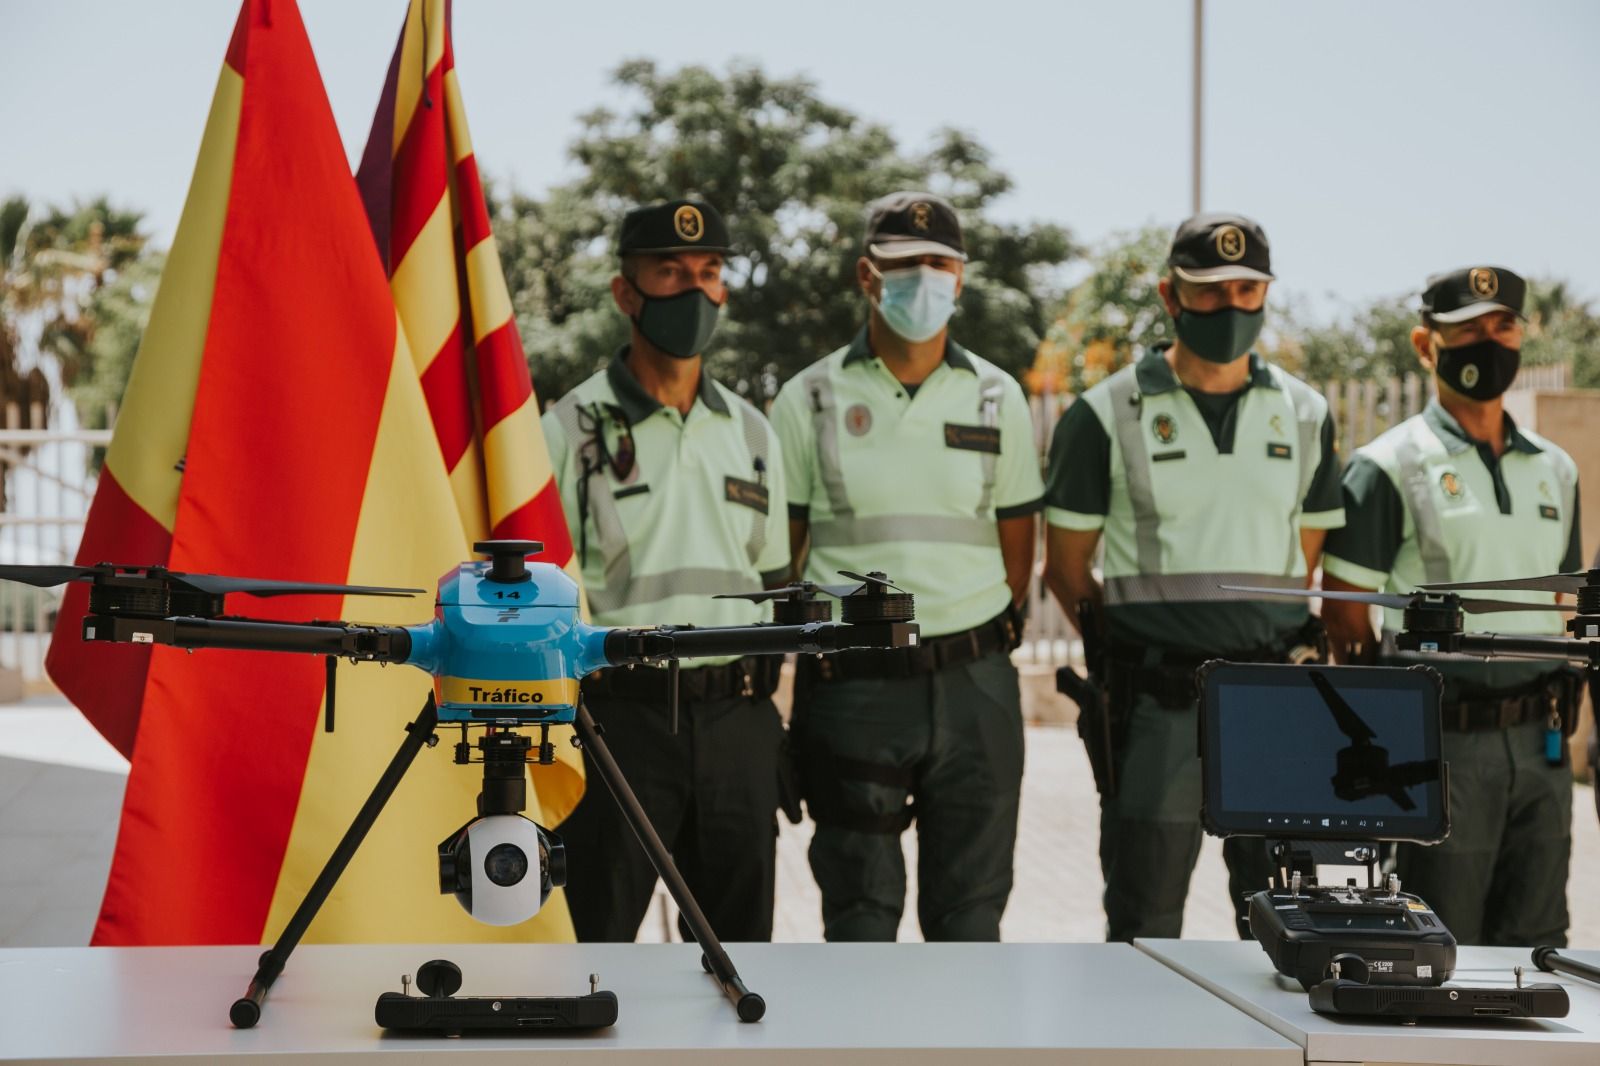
point(631, 490)
point(1279, 451)
point(1547, 511)
point(746, 493)
point(972, 438)
point(1160, 457)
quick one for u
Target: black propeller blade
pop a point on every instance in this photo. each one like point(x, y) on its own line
point(871, 579)
point(1399, 601)
point(1567, 583)
point(46, 576)
point(800, 590)
point(263, 587)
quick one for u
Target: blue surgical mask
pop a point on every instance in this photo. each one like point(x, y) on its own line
point(916, 301)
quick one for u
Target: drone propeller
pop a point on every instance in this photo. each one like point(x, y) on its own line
point(1399, 601)
point(1567, 583)
point(46, 576)
point(263, 587)
point(800, 590)
point(871, 579)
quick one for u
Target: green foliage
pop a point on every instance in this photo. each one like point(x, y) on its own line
point(119, 311)
point(1372, 343)
point(1562, 329)
point(793, 174)
point(1108, 317)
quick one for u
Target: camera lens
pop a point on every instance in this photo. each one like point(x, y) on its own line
point(505, 865)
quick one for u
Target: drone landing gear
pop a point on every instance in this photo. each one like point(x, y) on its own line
point(715, 960)
point(246, 1011)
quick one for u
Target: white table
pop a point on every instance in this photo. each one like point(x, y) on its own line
point(838, 1003)
point(1241, 974)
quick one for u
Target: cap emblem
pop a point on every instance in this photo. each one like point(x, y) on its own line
point(858, 420)
point(1230, 243)
point(1164, 428)
point(688, 223)
point(1450, 484)
point(1485, 283)
point(921, 216)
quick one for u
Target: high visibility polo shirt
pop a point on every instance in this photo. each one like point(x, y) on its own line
point(1186, 507)
point(1425, 502)
point(669, 509)
point(911, 481)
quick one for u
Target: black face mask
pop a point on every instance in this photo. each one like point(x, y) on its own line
point(1479, 371)
point(1219, 336)
point(679, 325)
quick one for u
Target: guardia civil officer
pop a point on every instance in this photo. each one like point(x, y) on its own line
point(1197, 465)
point(909, 454)
point(673, 488)
point(1460, 492)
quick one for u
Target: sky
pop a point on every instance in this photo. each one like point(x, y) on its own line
point(1377, 142)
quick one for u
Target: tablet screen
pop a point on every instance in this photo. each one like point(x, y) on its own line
point(1330, 752)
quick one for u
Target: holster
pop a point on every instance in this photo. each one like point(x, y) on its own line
point(789, 782)
point(1094, 726)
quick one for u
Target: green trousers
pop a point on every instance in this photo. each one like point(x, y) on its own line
point(711, 792)
point(1150, 831)
point(950, 743)
point(1501, 876)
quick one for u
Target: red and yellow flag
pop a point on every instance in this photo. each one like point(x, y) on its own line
point(425, 203)
point(273, 426)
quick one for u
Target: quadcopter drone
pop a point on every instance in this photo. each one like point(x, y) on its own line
point(506, 648)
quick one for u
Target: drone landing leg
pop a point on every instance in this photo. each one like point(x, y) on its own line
point(246, 1011)
point(749, 1005)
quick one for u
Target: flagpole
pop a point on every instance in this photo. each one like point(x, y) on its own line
point(1198, 97)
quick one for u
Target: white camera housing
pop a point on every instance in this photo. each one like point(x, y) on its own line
point(501, 868)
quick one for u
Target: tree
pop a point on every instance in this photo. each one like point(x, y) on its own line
point(118, 312)
point(1562, 329)
point(1109, 316)
point(793, 174)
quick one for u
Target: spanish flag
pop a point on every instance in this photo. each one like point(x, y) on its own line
point(425, 203)
point(273, 426)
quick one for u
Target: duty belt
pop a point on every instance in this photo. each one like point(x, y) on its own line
point(1530, 703)
point(751, 677)
point(1000, 634)
point(1168, 676)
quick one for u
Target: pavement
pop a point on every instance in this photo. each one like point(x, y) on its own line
point(61, 791)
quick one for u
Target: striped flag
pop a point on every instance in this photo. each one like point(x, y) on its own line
point(273, 426)
point(424, 199)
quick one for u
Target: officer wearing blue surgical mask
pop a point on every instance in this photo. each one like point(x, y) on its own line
point(909, 454)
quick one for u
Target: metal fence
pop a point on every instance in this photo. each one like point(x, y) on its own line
point(47, 477)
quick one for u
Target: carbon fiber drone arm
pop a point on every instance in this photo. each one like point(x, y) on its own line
point(627, 646)
point(1503, 646)
point(346, 640)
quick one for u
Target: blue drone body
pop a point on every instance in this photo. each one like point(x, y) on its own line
point(507, 650)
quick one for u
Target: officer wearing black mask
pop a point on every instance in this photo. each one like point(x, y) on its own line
point(672, 485)
point(1461, 492)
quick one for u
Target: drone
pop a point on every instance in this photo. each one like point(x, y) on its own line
point(507, 649)
point(1433, 616)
